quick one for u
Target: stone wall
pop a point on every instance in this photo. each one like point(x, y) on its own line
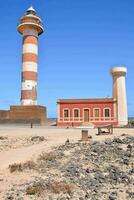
point(24, 114)
point(4, 114)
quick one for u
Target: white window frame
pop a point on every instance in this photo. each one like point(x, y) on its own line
point(104, 112)
point(94, 113)
point(78, 118)
point(68, 118)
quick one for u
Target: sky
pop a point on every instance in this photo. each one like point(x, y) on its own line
point(83, 39)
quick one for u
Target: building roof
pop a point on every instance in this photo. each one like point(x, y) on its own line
point(94, 100)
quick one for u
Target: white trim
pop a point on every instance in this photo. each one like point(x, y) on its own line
point(94, 121)
point(83, 114)
point(58, 112)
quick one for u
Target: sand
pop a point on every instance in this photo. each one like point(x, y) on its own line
point(21, 153)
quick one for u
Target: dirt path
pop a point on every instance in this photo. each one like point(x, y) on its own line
point(54, 137)
point(30, 152)
point(26, 153)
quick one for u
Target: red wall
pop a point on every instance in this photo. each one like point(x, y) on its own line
point(91, 106)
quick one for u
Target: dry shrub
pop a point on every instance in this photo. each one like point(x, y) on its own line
point(30, 165)
point(60, 187)
point(15, 167)
point(47, 156)
point(21, 166)
point(35, 189)
point(31, 190)
point(56, 187)
point(3, 138)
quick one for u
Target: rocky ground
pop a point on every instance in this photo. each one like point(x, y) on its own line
point(97, 170)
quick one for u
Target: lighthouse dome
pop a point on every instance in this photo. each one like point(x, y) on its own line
point(31, 10)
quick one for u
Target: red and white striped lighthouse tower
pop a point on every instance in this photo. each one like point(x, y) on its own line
point(30, 27)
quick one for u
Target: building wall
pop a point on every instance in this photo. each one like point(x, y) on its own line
point(24, 114)
point(28, 112)
point(101, 120)
point(4, 114)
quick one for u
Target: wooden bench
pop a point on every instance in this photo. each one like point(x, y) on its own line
point(105, 130)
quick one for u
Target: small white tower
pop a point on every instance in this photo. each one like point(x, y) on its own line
point(119, 93)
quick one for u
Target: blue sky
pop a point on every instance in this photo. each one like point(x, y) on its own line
point(83, 39)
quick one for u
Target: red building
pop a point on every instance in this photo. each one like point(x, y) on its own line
point(77, 112)
point(98, 111)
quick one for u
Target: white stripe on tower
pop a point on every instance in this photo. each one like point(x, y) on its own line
point(29, 67)
point(28, 84)
point(30, 48)
point(28, 102)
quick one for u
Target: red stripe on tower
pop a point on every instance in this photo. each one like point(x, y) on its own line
point(29, 57)
point(29, 75)
point(30, 39)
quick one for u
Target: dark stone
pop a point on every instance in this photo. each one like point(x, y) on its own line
point(113, 196)
point(37, 138)
point(125, 160)
point(117, 140)
point(81, 198)
point(131, 195)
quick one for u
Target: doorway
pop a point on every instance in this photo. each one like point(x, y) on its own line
point(86, 115)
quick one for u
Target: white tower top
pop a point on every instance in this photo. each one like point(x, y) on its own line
point(118, 70)
point(30, 20)
point(31, 10)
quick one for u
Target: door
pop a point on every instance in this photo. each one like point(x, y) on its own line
point(86, 115)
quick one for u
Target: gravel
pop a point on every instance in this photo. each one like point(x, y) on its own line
point(80, 171)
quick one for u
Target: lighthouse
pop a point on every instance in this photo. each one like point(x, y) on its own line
point(30, 27)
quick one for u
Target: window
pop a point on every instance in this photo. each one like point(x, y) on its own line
point(66, 113)
point(107, 112)
point(76, 113)
point(96, 113)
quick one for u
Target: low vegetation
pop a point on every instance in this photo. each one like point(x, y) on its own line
point(55, 187)
point(21, 166)
point(94, 170)
point(47, 156)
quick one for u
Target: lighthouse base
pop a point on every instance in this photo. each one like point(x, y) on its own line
point(24, 114)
